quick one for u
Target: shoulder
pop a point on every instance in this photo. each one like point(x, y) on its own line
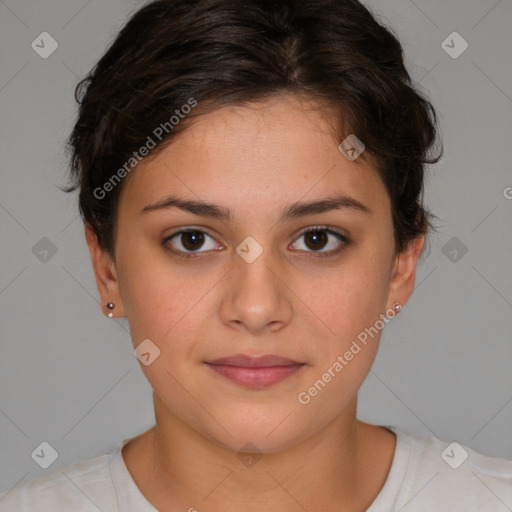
point(447, 475)
point(85, 485)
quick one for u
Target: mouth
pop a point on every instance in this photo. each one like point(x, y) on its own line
point(255, 372)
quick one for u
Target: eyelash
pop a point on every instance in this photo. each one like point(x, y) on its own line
point(316, 254)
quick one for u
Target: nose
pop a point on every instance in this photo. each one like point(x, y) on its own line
point(257, 297)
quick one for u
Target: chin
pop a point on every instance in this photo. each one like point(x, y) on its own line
point(247, 441)
point(255, 430)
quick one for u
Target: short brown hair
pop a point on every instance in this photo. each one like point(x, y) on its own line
point(227, 52)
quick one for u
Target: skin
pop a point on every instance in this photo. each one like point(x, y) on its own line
point(256, 160)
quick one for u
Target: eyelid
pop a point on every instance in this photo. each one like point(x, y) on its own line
point(324, 227)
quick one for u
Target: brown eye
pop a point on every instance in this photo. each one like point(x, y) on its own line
point(189, 241)
point(319, 238)
point(192, 240)
point(316, 239)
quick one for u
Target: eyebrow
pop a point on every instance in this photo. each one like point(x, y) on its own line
point(292, 211)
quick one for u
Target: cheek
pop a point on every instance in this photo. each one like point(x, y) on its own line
point(351, 298)
point(165, 302)
point(352, 309)
point(350, 305)
point(166, 307)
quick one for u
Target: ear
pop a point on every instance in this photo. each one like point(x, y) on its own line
point(404, 272)
point(105, 273)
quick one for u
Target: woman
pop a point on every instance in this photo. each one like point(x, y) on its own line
point(251, 178)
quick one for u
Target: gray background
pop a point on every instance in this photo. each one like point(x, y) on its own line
point(68, 374)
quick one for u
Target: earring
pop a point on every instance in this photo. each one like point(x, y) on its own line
point(397, 307)
point(110, 305)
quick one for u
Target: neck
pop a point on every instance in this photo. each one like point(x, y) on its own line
point(338, 469)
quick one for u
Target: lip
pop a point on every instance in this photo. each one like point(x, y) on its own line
point(255, 372)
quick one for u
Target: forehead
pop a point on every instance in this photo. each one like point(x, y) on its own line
point(284, 124)
point(265, 153)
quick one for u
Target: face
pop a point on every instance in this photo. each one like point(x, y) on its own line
point(266, 279)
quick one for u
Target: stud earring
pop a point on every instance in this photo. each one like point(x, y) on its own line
point(397, 307)
point(110, 305)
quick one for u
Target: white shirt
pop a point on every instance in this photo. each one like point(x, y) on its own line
point(426, 474)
